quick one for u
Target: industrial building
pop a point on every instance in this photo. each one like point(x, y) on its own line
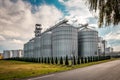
point(57, 41)
point(62, 39)
point(12, 53)
point(108, 50)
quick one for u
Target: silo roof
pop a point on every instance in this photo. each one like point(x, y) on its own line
point(87, 29)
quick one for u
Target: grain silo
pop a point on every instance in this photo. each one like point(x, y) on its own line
point(25, 50)
point(37, 45)
point(64, 40)
point(87, 42)
point(30, 48)
point(46, 45)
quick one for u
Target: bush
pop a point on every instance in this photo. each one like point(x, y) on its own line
point(78, 60)
point(42, 60)
point(61, 60)
point(85, 59)
point(48, 60)
point(82, 60)
point(56, 60)
point(66, 61)
point(52, 60)
point(39, 59)
point(74, 60)
point(45, 60)
point(89, 59)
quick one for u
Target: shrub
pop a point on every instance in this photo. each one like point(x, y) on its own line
point(74, 60)
point(78, 60)
point(52, 60)
point(48, 60)
point(61, 60)
point(45, 60)
point(56, 60)
point(66, 61)
point(82, 61)
point(85, 59)
point(42, 60)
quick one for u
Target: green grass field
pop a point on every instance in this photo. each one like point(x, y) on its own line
point(10, 70)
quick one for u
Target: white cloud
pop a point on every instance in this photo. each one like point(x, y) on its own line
point(2, 38)
point(78, 9)
point(116, 48)
point(112, 36)
point(17, 21)
point(48, 15)
point(17, 41)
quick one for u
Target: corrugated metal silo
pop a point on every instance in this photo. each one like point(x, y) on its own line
point(46, 44)
point(87, 42)
point(64, 40)
point(25, 50)
point(37, 45)
point(31, 48)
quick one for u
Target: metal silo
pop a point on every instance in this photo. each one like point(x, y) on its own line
point(30, 48)
point(46, 44)
point(64, 40)
point(87, 42)
point(25, 50)
point(37, 45)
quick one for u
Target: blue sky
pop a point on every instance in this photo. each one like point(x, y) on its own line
point(18, 17)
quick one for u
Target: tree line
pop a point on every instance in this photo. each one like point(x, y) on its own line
point(63, 60)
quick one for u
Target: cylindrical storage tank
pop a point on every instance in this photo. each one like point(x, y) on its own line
point(87, 42)
point(64, 41)
point(46, 45)
point(28, 49)
point(25, 50)
point(37, 50)
point(31, 47)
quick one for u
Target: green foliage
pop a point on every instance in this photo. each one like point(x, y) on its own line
point(42, 60)
point(88, 59)
point(74, 60)
point(109, 11)
point(56, 60)
point(66, 61)
point(52, 60)
point(85, 59)
point(61, 60)
point(78, 60)
point(45, 60)
point(48, 60)
point(82, 60)
point(39, 59)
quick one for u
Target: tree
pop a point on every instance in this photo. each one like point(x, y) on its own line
point(82, 60)
point(109, 11)
point(45, 60)
point(42, 60)
point(56, 60)
point(88, 59)
point(66, 61)
point(52, 60)
point(85, 59)
point(48, 60)
point(78, 61)
point(61, 60)
point(74, 60)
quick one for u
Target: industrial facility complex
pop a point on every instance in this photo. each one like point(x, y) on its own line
point(13, 53)
point(63, 40)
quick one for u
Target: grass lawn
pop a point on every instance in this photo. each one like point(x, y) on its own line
point(10, 70)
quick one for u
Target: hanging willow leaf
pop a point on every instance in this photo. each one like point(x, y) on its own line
point(109, 11)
